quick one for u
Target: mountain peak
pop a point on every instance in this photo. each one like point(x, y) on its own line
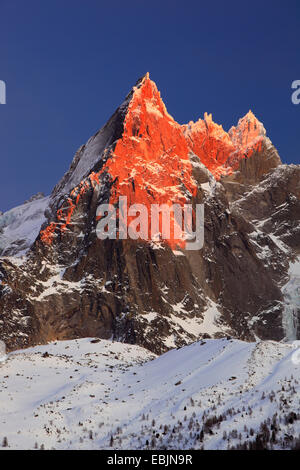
point(140, 81)
point(144, 111)
point(146, 98)
point(250, 115)
point(251, 121)
point(146, 153)
point(148, 291)
point(248, 133)
point(147, 76)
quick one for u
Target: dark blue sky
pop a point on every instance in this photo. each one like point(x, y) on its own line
point(68, 64)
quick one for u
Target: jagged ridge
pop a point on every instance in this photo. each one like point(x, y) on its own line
point(149, 160)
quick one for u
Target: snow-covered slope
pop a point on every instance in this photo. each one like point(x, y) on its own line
point(97, 394)
point(20, 226)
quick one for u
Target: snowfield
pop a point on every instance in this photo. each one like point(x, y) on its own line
point(98, 394)
point(20, 226)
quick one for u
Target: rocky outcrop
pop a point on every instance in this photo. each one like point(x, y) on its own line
point(156, 293)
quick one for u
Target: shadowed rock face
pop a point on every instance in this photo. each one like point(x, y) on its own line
point(157, 294)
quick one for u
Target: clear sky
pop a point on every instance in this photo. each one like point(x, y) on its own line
point(68, 64)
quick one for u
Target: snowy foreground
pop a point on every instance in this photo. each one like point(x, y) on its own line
point(97, 394)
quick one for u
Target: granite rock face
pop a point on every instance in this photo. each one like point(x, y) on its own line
point(157, 294)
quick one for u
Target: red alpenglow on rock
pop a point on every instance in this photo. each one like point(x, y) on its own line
point(150, 161)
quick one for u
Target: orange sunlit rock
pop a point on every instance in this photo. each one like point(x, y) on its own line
point(150, 163)
point(47, 235)
point(210, 143)
point(222, 151)
point(246, 137)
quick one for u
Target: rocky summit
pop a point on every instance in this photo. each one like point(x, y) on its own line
point(59, 281)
